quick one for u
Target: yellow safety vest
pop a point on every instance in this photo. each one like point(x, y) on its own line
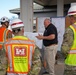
point(19, 51)
point(71, 58)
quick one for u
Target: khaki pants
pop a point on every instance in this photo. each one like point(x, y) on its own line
point(49, 56)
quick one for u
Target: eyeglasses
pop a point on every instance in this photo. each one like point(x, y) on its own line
point(14, 30)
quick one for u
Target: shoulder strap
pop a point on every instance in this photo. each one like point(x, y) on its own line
point(5, 35)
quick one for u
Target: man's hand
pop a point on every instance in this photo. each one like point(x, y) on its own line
point(40, 37)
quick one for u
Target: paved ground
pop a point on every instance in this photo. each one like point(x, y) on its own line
point(59, 68)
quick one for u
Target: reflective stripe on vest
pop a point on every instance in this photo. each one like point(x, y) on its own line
point(15, 74)
point(72, 52)
point(71, 58)
point(19, 54)
point(3, 37)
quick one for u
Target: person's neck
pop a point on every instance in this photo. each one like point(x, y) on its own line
point(74, 23)
point(19, 34)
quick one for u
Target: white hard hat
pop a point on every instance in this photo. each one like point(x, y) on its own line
point(72, 10)
point(16, 23)
point(4, 19)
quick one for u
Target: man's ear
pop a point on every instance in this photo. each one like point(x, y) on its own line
point(12, 32)
point(23, 30)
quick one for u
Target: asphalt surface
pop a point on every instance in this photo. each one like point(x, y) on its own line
point(59, 68)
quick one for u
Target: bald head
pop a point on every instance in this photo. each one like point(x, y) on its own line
point(46, 22)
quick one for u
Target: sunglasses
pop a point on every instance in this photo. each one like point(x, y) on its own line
point(14, 30)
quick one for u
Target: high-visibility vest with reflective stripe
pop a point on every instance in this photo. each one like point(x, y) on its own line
point(19, 51)
point(71, 58)
point(3, 35)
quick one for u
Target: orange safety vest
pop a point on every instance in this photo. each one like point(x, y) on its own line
point(19, 52)
point(3, 35)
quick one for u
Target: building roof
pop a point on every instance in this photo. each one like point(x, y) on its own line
point(35, 7)
point(38, 8)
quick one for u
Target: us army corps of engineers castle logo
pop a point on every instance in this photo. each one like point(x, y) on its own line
point(20, 51)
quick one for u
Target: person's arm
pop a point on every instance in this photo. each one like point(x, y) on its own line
point(36, 63)
point(50, 37)
point(67, 41)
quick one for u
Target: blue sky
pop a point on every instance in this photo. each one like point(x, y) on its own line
point(6, 5)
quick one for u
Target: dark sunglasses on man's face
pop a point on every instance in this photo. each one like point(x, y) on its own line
point(14, 30)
